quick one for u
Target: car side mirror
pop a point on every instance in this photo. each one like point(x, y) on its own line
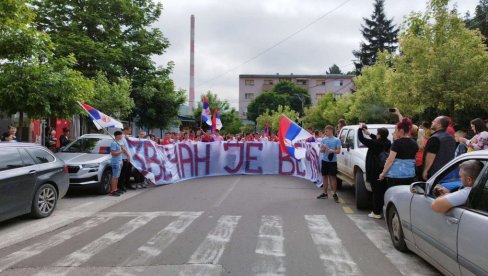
point(418, 188)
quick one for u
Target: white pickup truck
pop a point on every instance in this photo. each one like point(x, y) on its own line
point(351, 162)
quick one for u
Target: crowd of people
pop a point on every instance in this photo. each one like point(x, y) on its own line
point(417, 153)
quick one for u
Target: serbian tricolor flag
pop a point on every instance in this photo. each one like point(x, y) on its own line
point(216, 122)
point(289, 134)
point(206, 115)
point(100, 119)
point(266, 130)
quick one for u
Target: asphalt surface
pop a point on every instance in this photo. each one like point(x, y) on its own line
point(238, 225)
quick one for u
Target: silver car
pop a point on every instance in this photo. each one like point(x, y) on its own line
point(88, 160)
point(32, 180)
point(455, 242)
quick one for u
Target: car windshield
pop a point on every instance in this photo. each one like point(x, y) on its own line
point(374, 131)
point(89, 145)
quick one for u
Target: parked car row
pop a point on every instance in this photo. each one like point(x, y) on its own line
point(33, 179)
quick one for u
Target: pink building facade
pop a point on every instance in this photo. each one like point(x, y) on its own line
point(251, 86)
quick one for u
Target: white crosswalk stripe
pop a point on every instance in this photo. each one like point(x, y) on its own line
point(270, 247)
point(37, 248)
point(407, 264)
point(269, 259)
point(337, 260)
point(212, 248)
point(77, 258)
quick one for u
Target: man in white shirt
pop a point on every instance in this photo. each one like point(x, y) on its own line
point(468, 171)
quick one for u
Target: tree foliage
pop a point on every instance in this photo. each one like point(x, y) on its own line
point(327, 111)
point(284, 93)
point(480, 19)
point(113, 98)
point(273, 117)
point(442, 65)
point(334, 69)
point(379, 33)
point(32, 79)
point(228, 115)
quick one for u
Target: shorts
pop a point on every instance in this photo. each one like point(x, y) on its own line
point(329, 168)
point(116, 169)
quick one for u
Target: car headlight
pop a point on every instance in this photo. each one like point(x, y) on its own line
point(91, 165)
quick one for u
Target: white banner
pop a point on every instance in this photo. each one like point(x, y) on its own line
point(172, 163)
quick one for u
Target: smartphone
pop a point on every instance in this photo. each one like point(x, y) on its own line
point(392, 110)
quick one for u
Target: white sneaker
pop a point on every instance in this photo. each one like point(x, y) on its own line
point(375, 216)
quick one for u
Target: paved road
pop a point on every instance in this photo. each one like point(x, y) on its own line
point(240, 225)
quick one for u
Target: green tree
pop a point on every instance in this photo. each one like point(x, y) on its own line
point(32, 79)
point(379, 33)
point(228, 115)
point(334, 69)
point(273, 118)
point(157, 103)
point(117, 39)
point(371, 97)
point(284, 93)
point(442, 65)
point(328, 111)
point(113, 98)
point(480, 19)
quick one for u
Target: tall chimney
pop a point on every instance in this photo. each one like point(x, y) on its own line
point(191, 100)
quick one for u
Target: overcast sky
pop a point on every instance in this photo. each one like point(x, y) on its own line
point(231, 32)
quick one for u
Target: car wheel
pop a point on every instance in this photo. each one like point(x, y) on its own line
point(44, 201)
point(362, 195)
point(105, 182)
point(396, 231)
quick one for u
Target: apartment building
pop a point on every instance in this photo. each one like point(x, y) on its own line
point(251, 86)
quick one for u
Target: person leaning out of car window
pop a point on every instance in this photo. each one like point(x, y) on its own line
point(468, 171)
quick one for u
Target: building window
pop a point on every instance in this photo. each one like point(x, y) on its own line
point(249, 96)
point(249, 82)
point(268, 82)
point(302, 82)
point(244, 113)
point(338, 83)
point(320, 83)
point(318, 95)
point(337, 96)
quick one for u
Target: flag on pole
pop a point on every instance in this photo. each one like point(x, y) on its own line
point(216, 122)
point(266, 130)
point(206, 115)
point(100, 119)
point(291, 133)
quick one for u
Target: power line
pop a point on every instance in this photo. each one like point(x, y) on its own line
point(276, 44)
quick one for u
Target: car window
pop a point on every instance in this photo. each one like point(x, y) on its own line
point(26, 158)
point(478, 197)
point(350, 138)
point(343, 137)
point(10, 159)
point(450, 178)
point(41, 156)
point(89, 145)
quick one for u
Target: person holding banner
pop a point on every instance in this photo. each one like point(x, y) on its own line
point(116, 151)
point(330, 147)
point(126, 165)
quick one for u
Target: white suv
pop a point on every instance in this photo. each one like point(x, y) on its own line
point(88, 160)
point(351, 162)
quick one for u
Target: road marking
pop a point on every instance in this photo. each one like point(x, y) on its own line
point(79, 257)
point(81, 206)
point(51, 242)
point(158, 243)
point(407, 264)
point(347, 210)
point(227, 193)
point(337, 260)
point(270, 247)
point(212, 248)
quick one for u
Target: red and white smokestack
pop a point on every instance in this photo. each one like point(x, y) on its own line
point(191, 99)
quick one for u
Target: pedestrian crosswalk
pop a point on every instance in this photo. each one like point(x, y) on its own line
point(269, 255)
